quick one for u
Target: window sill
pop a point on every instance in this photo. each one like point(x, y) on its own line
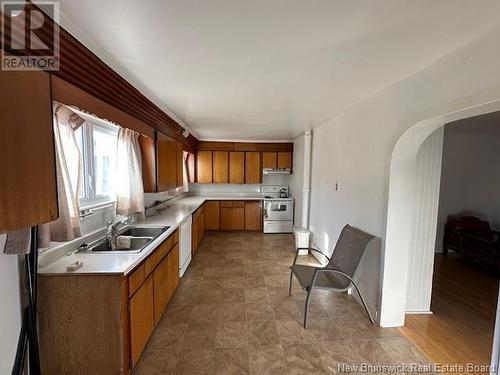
point(91, 206)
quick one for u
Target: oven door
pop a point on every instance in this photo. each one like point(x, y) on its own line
point(278, 210)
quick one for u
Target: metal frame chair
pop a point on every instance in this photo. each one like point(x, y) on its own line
point(338, 274)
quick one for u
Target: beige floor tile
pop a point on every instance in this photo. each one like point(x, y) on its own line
point(232, 335)
point(232, 361)
point(262, 332)
point(259, 311)
point(266, 360)
point(303, 359)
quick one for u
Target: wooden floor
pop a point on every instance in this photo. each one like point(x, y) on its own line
point(463, 305)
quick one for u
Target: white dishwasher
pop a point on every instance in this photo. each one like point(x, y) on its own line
point(185, 245)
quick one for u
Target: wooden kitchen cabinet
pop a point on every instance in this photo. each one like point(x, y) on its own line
point(212, 215)
point(141, 318)
point(252, 168)
point(166, 163)
point(165, 281)
point(220, 167)
point(253, 216)
point(236, 167)
point(232, 215)
point(269, 160)
point(148, 157)
point(180, 164)
point(26, 151)
point(112, 315)
point(198, 228)
point(204, 167)
point(285, 160)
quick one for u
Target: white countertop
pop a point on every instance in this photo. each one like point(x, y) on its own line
point(123, 263)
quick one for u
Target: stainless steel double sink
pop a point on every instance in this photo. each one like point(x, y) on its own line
point(140, 237)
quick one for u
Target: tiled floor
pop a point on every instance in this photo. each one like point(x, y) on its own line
point(231, 314)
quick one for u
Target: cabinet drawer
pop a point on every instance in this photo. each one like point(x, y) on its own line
point(156, 257)
point(226, 204)
point(238, 204)
point(175, 237)
point(135, 280)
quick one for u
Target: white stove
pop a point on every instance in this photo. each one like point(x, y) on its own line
point(278, 209)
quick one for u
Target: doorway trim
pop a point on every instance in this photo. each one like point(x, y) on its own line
point(400, 209)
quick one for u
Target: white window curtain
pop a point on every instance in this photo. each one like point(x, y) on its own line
point(129, 188)
point(68, 172)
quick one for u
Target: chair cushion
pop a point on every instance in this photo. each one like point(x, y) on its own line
point(329, 280)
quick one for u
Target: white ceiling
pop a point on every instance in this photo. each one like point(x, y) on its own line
point(270, 69)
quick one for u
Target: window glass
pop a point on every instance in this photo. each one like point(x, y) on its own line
point(104, 145)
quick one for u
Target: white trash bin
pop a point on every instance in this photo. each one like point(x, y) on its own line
point(302, 236)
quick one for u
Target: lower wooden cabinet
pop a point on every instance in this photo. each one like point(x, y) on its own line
point(232, 215)
point(110, 317)
point(253, 216)
point(165, 280)
point(198, 228)
point(212, 215)
point(141, 307)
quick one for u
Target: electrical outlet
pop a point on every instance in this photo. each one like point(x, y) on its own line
point(337, 186)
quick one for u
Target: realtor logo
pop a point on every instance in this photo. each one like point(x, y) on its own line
point(30, 35)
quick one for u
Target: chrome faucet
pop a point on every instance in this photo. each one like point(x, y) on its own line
point(112, 232)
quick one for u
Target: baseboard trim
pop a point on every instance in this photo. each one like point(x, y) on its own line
point(409, 312)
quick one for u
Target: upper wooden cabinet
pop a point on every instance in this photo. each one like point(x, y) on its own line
point(148, 157)
point(166, 157)
point(269, 160)
point(26, 151)
point(285, 160)
point(180, 164)
point(220, 167)
point(204, 167)
point(252, 168)
point(236, 167)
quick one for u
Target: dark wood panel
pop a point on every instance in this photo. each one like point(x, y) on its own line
point(82, 68)
point(245, 146)
point(180, 164)
point(232, 218)
point(26, 151)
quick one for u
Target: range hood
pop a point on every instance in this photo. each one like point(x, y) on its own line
point(276, 171)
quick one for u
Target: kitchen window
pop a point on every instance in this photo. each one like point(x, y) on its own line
point(97, 142)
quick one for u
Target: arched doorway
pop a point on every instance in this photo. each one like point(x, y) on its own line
point(401, 210)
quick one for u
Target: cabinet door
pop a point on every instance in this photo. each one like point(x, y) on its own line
point(166, 162)
point(161, 287)
point(173, 270)
point(212, 215)
point(236, 167)
point(204, 167)
point(252, 167)
point(285, 160)
point(220, 167)
point(26, 151)
point(232, 218)
point(269, 160)
point(141, 318)
point(180, 164)
point(253, 216)
point(148, 157)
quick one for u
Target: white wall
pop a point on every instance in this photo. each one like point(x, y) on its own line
point(10, 310)
point(297, 178)
point(355, 148)
point(470, 181)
